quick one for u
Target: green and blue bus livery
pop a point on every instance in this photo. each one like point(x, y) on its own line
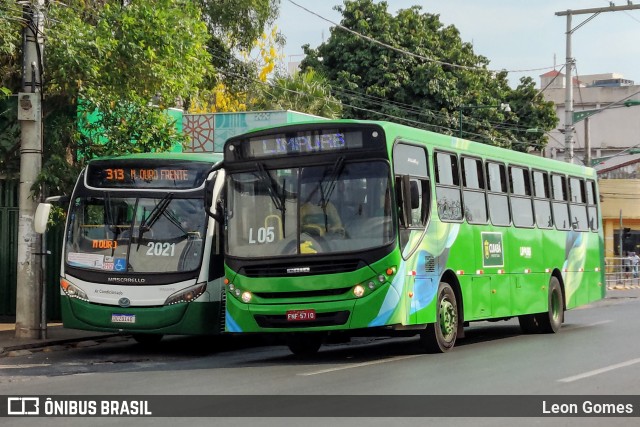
point(360, 227)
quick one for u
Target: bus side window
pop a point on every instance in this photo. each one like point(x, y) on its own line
point(578, 205)
point(448, 187)
point(520, 189)
point(497, 196)
point(541, 202)
point(560, 199)
point(473, 183)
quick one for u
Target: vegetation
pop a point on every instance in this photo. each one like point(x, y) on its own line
point(411, 68)
point(128, 60)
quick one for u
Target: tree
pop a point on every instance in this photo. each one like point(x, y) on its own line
point(10, 26)
point(424, 76)
point(306, 92)
point(235, 26)
point(257, 69)
point(115, 57)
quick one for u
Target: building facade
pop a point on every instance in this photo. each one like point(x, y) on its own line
point(610, 131)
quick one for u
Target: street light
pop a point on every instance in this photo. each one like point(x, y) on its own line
point(503, 106)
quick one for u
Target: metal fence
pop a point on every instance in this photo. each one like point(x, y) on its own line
point(621, 273)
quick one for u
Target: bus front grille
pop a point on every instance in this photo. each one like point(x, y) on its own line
point(303, 294)
point(335, 318)
point(302, 268)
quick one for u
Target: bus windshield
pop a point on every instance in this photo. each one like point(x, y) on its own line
point(135, 234)
point(339, 207)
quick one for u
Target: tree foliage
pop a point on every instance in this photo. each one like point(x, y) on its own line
point(10, 25)
point(306, 92)
point(425, 76)
point(114, 57)
point(235, 26)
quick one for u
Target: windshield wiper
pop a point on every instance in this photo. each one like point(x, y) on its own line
point(336, 171)
point(154, 215)
point(108, 213)
point(272, 189)
point(266, 179)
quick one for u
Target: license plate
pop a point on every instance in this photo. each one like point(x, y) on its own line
point(123, 318)
point(301, 315)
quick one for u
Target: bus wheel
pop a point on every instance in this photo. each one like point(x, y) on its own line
point(147, 339)
point(551, 321)
point(304, 344)
point(440, 337)
point(529, 324)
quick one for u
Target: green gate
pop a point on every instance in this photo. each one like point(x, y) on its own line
point(9, 255)
point(8, 246)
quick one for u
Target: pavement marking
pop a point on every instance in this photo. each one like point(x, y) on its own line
point(34, 365)
point(599, 371)
point(359, 365)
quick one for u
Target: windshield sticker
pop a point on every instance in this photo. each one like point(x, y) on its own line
point(78, 259)
point(492, 250)
point(120, 264)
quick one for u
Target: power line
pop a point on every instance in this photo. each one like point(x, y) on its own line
point(405, 120)
point(406, 52)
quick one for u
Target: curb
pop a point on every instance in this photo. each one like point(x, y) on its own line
point(622, 287)
point(4, 351)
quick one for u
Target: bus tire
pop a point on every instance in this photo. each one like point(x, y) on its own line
point(551, 321)
point(440, 337)
point(304, 344)
point(528, 324)
point(147, 339)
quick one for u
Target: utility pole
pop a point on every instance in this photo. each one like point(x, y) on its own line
point(568, 103)
point(29, 292)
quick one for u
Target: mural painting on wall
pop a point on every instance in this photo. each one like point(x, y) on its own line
point(200, 128)
point(209, 132)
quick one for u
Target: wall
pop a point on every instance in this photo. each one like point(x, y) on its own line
point(620, 195)
point(209, 132)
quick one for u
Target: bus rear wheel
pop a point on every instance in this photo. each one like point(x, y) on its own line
point(304, 344)
point(440, 337)
point(550, 321)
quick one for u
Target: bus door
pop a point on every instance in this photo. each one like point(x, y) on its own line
point(418, 238)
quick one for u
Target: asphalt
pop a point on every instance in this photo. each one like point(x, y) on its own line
point(58, 336)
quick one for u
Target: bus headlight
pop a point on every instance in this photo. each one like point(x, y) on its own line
point(72, 291)
point(246, 297)
point(358, 291)
point(187, 295)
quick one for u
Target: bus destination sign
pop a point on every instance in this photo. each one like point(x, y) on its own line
point(309, 142)
point(130, 175)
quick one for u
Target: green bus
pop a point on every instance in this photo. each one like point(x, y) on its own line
point(140, 254)
point(361, 227)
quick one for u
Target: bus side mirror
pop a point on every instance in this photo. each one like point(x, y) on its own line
point(415, 195)
point(406, 201)
point(41, 218)
point(213, 189)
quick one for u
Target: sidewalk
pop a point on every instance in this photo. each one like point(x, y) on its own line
point(57, 335)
